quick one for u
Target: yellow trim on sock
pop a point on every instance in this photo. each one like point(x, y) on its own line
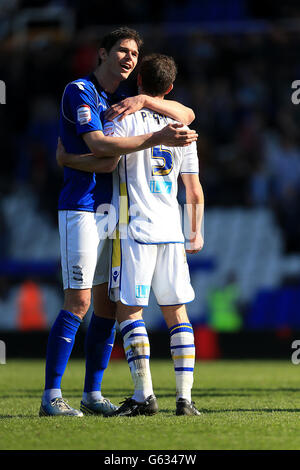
point(184, 357)
point(137, 344)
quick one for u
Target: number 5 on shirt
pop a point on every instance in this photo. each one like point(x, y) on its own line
point(161, 155)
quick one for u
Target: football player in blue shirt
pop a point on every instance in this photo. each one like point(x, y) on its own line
point(83, 203)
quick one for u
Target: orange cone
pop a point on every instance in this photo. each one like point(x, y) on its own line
point(31, 314)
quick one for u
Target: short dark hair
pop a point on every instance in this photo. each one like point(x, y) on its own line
point(158, 72)
point(123, 32)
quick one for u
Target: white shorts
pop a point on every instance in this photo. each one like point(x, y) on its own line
point(136, 267)
point(85, 249)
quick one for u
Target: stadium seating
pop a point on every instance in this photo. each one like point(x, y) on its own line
point(239, 242)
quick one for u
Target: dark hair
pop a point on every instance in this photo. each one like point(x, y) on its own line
point(110, 39)
point(157, 72)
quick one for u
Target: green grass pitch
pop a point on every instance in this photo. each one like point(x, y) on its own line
point(245, 405)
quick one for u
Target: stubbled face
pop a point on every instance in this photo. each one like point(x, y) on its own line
point(122, 58)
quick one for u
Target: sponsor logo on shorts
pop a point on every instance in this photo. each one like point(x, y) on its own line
point(77, 273)
point(115, 275)
point(142, 291)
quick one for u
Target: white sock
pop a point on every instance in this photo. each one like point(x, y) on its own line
point(50, 394)
point(137, 351)
point(89, 397)
point(183, 353)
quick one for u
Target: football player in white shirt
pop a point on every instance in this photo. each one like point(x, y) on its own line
point(148, 245)
point(148, 250)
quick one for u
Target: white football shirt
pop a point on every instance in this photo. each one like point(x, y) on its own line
point(147, 181)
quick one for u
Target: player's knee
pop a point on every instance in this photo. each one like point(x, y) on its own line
point(77, 303)
point(127, 312)
point(174, 314)
point(79, 308)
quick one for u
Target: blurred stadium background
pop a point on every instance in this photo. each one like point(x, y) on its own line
point(237, 60)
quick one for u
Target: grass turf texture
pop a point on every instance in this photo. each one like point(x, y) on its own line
point(244, 404)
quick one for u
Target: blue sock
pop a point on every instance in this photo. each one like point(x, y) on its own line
point(60, 344)
point(98, 347)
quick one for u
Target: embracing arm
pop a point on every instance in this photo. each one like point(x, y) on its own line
point(85, 162)
point(109, 149)
point(173, 109)
point(172, 135)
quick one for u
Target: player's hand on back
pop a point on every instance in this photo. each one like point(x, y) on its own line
point(123, 108)
point(177, 135)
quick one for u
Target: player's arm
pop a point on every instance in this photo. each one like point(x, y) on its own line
point(81, 103)
point(85, 162)
point(172, 135)
point(106, 150)
point(170, 108)
point(195, 210)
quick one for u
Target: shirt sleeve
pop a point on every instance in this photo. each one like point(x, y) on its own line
point(80, 106)
point(190, 162)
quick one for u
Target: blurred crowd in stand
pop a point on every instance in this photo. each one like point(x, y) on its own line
point(237, 82)
point(237, 60)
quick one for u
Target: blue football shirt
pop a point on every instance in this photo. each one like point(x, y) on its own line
point(82, 108)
